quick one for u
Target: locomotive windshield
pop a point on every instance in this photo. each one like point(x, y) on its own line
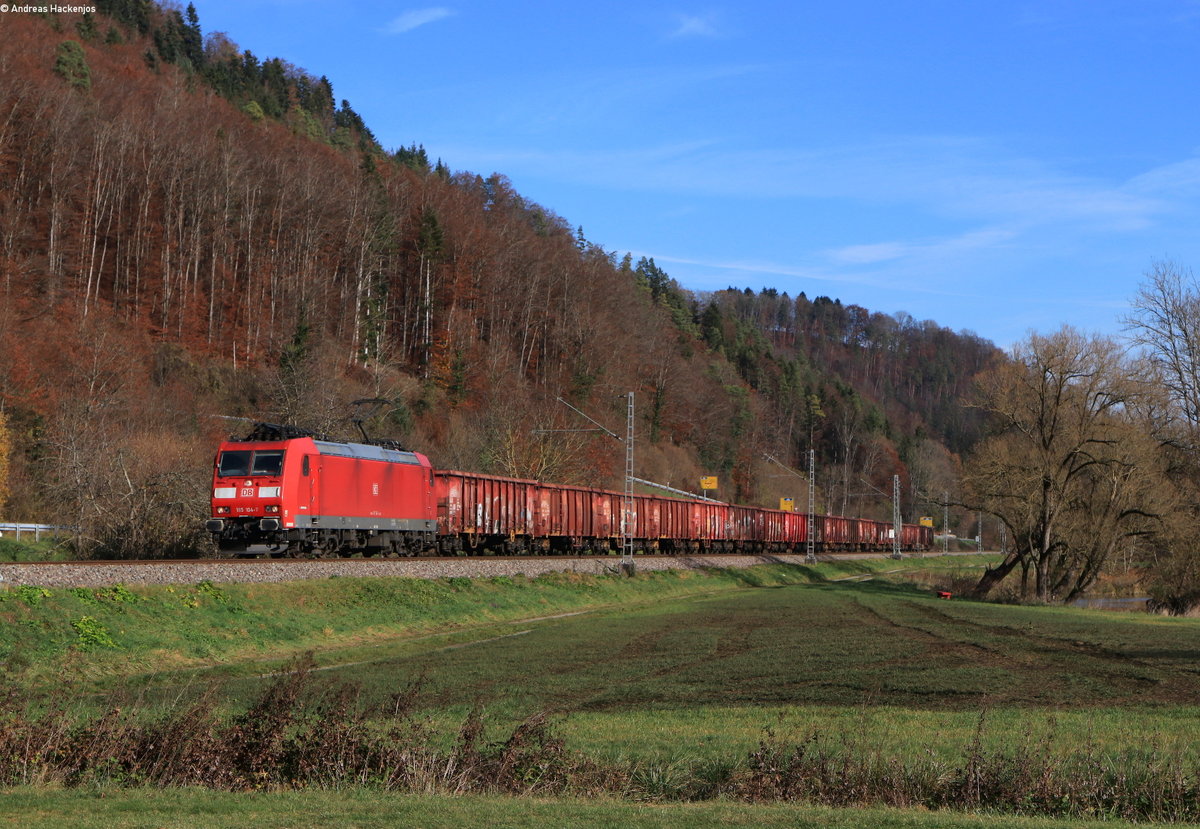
point(267, 463)
point(237, 463)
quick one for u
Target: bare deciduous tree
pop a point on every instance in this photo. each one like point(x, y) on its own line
point(1068, 469)
point(5, 448)
point(1166, 323)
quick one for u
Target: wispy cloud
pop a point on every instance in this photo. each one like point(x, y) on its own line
point(962, 179)
point(978, 218)
point(924, 251)
point(870, 254)
point(746, 266)
point(743, 272)
point(881, 265)
point(416, 18)
point(1180, 179)
point(696, 25)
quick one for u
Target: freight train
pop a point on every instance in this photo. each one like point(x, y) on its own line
point(296, 493)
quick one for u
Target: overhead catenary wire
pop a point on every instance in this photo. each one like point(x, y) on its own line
point(676, 491)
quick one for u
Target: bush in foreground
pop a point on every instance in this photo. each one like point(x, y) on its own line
point(304, 734)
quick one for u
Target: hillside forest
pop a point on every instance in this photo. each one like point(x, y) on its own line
point(192, 238)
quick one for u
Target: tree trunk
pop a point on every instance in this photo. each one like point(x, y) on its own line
point(994, 575)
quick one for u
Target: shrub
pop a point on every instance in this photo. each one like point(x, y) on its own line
point(32, 595)
point(92, 634)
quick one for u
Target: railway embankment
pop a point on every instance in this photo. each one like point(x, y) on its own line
point(108, 573)
point(97, 630)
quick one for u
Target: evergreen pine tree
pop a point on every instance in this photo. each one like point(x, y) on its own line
point(71, 64)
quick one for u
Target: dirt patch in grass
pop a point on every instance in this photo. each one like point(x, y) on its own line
point(1045, 667)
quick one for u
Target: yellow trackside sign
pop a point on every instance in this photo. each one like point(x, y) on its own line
point(926, 521)
point(709, 482)
point(787, 504)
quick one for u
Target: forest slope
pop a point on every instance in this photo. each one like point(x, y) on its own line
point(189, 233)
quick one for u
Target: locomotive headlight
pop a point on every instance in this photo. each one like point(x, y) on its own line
point(222, 510)
point(272, 508)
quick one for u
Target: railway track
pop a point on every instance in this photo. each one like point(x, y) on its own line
point(192, 571)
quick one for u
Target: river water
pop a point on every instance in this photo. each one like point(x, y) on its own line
point(1134, 604)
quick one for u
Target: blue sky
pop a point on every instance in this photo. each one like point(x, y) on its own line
point(999, 167)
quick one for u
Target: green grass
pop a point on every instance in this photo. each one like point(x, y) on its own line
point(253, 627)
point(708, 733)
point(49, 548)
point(704, 677)
point(668, 674)
point(843, 645)
point(364, 809)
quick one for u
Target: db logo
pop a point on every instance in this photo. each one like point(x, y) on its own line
point(247, 492)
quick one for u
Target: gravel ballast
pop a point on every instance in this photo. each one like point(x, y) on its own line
point(102, 574)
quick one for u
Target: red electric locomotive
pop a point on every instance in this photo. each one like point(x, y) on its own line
point(305, 494)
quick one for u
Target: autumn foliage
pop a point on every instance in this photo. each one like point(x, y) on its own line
point(194, 234)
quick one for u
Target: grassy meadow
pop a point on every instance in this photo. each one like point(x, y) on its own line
point(38, 808)
point(48, 548)
point(681, 698)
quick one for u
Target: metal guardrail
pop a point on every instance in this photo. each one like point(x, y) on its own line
point(13, 530)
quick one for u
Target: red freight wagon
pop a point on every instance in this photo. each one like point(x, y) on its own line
point(489, 510)
point(678, 529)
point(784, 530)
point(745, 527)
point(513, 515)
point(647, 513)
point(861, 533)
point(671, 522)
point(872, 535)
point(571, 513)
point(916, 537)
point(835, 532)
point(801, 531)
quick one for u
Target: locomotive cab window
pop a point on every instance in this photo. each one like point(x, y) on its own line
point(234, 463)
point(267, 463)
point(238, 463)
